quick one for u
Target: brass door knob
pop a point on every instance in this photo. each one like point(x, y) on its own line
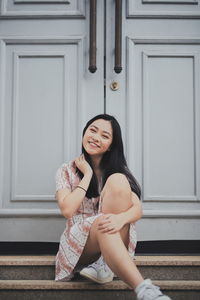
point(114, 86)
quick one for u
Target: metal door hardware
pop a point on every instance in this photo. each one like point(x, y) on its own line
point(114, 86)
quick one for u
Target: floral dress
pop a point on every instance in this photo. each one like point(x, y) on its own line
point(76, 232)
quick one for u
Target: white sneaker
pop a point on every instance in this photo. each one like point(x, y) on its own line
point(148, 291)
point(98, 272)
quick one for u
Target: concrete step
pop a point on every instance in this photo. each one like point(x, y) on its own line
point(74, 290)
point(155, 267)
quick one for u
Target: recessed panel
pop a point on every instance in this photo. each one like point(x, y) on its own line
point(43, 8)
point(41, 1)
point(170, 1)
point(40, 119)
point(163, 8)
point(169, 126)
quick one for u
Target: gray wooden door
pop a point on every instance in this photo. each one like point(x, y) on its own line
point(47, 94)
point(158, 103)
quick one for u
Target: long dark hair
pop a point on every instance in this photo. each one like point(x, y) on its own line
point(113, 161)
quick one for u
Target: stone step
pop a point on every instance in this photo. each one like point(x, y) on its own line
point(155, 267)
point(74, 290)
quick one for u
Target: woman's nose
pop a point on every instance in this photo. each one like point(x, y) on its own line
point(96, 137)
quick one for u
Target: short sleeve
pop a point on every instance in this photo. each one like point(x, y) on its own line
point(63, 175)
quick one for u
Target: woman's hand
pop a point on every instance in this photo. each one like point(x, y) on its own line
point(83, 165)
point(111, 223)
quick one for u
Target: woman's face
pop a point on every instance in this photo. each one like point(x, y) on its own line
point(98, 137)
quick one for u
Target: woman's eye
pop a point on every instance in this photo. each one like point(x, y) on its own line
point(92, 130)
point(105, 136)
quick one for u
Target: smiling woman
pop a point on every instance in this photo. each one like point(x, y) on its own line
point(99, 196)
point(106, 156)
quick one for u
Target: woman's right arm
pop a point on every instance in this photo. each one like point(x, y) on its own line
point(68, 201)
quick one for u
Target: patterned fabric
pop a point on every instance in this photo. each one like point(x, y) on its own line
point(76, 232)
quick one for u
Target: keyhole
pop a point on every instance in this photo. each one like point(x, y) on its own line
point(114, 86)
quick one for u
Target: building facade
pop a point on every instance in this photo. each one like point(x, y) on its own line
point(47, 94)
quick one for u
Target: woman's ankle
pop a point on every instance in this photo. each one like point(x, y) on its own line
point(141, 284)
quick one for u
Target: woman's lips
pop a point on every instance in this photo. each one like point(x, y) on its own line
point(93, 144)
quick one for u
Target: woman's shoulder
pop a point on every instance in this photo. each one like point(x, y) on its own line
point(66, 175)
point(72, 165)
point(69, 166)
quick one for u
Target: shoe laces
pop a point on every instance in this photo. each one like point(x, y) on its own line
point(149, 290)
point(100, 264)
point(97, 265)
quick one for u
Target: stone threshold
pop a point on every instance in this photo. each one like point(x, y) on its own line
point(49, 260)
point(87, 285)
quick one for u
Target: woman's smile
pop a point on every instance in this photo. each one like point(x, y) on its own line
point(93, 145)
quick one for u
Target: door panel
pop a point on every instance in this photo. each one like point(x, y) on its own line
point(168, 124)
point(163, 9)
point(169, 101)
point(47, 95)
point(158, 106)
point(44, 80)
point(43, 8)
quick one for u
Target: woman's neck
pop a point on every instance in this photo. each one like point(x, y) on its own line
point(96, 163)
point(96, 168)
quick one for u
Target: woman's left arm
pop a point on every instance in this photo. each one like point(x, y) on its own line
point(134, 213)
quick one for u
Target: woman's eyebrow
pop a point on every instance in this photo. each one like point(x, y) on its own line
point(98, 128)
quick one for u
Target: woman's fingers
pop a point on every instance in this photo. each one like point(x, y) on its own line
point(79, 159)
point(108, 225)
point(107, 230)
point(105, 227)
point(104, 221)
point(112, 231)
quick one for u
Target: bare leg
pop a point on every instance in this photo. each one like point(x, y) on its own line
point(118, 259)
point(116, 198)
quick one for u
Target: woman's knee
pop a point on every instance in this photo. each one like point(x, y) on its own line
point(95, 224)
point(116, 195)
point(117, 183)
